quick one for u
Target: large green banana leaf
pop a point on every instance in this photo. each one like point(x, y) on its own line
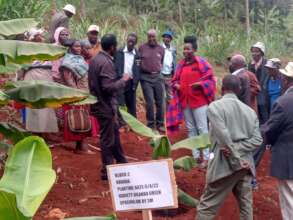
point(4, 99)
point(186, 199)
point(8, 207)
point(13, 132)
point(137, 126)
point(28, 175)
point(201, 141)
point(26, 52)
point(110, 217)
point(16, 26)
point(42, 94)
point(186, 163)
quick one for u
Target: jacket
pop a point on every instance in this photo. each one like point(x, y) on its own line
point(119, 67)
point(58, 20)
point(278, 132)
point(104, 84)
point(244, 94)
point(235, 125)
point(263, 78)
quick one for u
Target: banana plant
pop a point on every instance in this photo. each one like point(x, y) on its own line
point(162, 148)
point(28, 177)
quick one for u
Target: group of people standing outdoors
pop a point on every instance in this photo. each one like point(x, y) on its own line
point(250, 117)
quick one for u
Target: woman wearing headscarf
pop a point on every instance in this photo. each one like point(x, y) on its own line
point(39, 120)
point(73, 73)
point(61, 36)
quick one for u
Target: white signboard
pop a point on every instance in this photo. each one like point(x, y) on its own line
point(143, 185)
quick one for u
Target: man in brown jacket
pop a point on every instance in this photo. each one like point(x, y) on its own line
point(249, 83)
point(104, 84)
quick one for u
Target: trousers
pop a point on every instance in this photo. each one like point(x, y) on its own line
point(153, 93)
point(215, 193)
point(110, 142)
point(196, 121)
point(286, 198)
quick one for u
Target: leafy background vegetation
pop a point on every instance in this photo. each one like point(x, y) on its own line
point(219, 24)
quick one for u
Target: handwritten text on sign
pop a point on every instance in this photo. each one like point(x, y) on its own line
point(145, 185)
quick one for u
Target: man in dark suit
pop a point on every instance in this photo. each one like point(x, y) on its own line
point(127, 61)
point(278, 132)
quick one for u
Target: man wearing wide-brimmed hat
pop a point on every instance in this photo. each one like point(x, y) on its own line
point(278, 132)
point(274, 84)
point(257, 66)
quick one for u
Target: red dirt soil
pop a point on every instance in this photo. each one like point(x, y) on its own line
point(80, 192)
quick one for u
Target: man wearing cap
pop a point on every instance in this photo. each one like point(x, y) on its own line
point(92, 38)
point(61, 19)
point(169, 63)
point(257, 66)
point(152, 83)
point(278, 132)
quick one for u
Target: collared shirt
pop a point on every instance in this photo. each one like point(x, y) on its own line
point(257, 64)
point(128, 61)
point(274, 90)
point(151, 58)
point(168, 60)
point(235, 73)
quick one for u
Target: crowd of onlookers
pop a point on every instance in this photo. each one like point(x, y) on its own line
point(253, 114)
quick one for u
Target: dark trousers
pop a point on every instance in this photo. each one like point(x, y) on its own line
point(128, 98)
point(153, 93)
point(263, 114)
point(110, 142)
point(258, 154)
point(130, 101)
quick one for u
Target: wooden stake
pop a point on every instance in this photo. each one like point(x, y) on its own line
point(147, 215)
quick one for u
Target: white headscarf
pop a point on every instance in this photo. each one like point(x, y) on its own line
point(57, 34)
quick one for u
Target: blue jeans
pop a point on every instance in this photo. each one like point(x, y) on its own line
point(196, 121)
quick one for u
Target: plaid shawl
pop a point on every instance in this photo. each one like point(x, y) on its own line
point(174, 115)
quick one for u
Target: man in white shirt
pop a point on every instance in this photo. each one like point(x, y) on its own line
point(169, 62)
point(127, 61)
